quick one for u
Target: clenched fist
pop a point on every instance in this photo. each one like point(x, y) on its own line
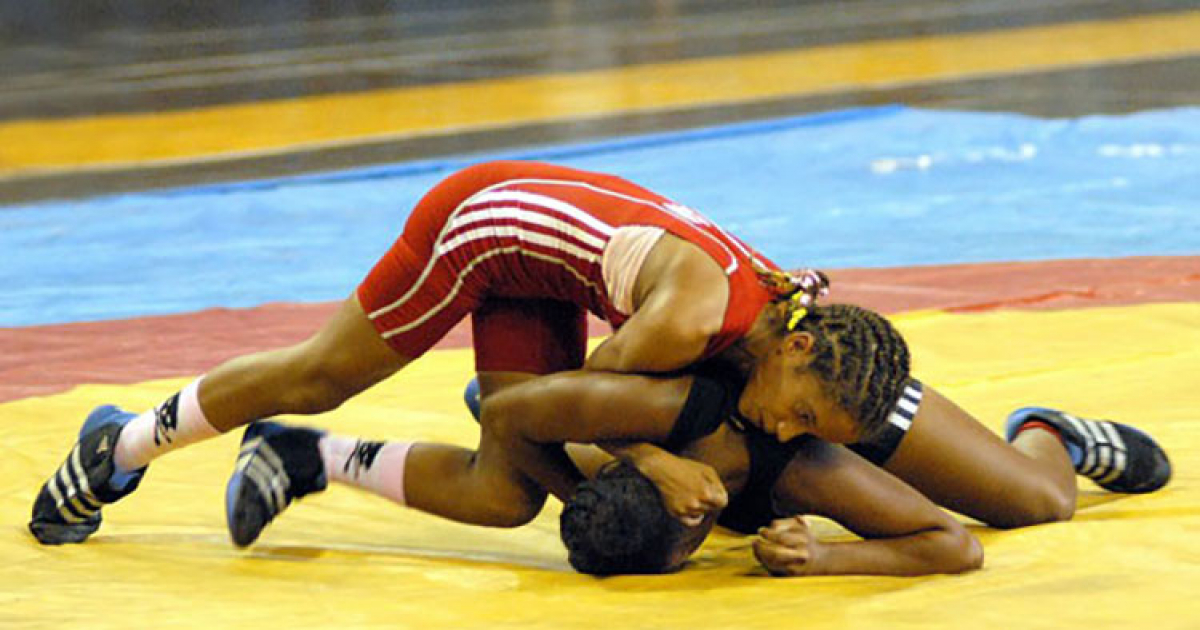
point(787, 548)
point(691, 490)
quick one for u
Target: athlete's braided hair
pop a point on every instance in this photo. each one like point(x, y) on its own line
point(862, 358)
point(858, 354)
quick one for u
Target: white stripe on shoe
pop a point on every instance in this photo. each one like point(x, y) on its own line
point(85, 490)
point(1089, 442)
point(263, 467)
point(1111, 432)
point(60, 502)
point(1120, 457)
point(270, 484)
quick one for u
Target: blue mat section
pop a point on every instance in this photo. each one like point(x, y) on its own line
point(883, 186)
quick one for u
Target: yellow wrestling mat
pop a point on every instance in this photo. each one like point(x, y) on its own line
point(346, 559)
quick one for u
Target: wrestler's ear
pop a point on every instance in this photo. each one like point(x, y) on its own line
point(799, 344)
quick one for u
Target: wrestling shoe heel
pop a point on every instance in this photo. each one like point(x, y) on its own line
point(67, 508)
point(277, 464)
point(1116, 456)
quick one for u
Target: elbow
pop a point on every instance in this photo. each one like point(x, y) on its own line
point(962, 551)
point(498, 413)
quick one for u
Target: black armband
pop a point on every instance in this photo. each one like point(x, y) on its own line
point(708, 403)
point(879, 449)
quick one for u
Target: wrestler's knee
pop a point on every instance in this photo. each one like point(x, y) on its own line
point(1037, 503)
point(500, 412)
point(513, 514)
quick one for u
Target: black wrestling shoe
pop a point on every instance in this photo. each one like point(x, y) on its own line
point(1118, 457)
point(67, 509)
point(277, 464)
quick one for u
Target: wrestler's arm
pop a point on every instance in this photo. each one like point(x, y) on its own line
point(675, 316)
point(611, 409)
point(903, 532)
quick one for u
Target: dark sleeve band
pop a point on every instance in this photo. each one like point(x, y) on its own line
point(880, 449)
point(708, 404)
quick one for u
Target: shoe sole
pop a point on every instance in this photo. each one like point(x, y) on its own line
point(62, 534)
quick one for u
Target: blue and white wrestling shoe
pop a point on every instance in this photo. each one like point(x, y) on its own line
point(67, 509)
point(1118, 457)
point(276, 465)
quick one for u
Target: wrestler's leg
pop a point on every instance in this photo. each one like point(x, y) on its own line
point(317, 375)
point(389, 321)
point(960, 464)
point(504, 482)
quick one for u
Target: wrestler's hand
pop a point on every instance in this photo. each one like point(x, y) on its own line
point(788, 548)
point(690, 489)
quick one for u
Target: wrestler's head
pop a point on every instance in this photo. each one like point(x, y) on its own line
point(831, 371)
point(617, 524)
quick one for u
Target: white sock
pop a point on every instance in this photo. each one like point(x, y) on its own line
point(377, 467)
point(175, 423)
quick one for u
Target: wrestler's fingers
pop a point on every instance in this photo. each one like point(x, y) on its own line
point(715, 496)
point(779, 559)
point(792, 532)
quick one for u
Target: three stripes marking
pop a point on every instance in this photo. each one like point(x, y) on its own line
point(263, 467)
point(72, 494)
point(906, 407)
point(1104, 452)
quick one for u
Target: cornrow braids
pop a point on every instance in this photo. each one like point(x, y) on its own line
point(861, 357)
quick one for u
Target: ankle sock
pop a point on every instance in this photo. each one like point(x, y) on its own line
point(377, 467)
point(175, 423)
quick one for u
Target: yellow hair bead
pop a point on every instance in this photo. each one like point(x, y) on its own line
point(797, 315)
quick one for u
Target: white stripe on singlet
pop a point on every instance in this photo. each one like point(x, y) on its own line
point(471, 205)
point(520, 215)
point(657, 205)
point(469, 267)
point(519, 199)
point(524, 235)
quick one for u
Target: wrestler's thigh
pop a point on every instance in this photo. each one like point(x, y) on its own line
point(960, 464)
point(350, 351)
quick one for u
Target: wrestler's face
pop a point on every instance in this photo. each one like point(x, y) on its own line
point(787, 400)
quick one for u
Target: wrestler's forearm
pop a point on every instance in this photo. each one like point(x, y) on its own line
point(923, 553)
point(586, 407)
point(633, 451)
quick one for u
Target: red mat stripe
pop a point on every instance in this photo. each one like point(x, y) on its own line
point(41, 360)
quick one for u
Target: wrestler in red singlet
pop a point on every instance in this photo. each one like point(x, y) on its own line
point(502, 232)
